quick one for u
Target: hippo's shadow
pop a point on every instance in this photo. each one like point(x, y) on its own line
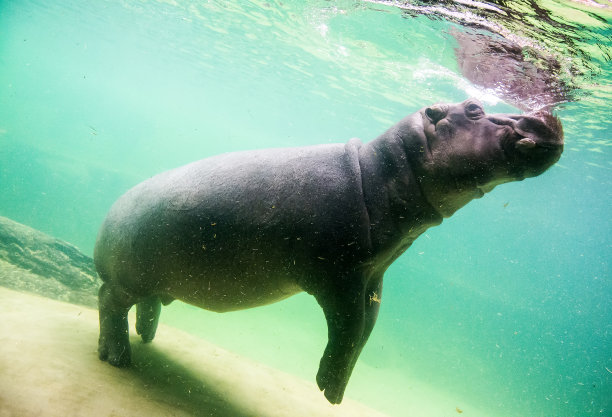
point(169, 382)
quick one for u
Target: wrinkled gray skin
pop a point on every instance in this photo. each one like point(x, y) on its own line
point(246, 229)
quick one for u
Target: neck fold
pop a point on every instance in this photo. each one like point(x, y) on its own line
point(397, 208)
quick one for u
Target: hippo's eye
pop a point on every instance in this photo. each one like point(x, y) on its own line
point(474, 110)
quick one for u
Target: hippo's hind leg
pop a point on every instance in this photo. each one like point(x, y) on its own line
point(147, 317)
point(114, 342)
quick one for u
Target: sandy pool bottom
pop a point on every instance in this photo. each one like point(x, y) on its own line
point(49, 367)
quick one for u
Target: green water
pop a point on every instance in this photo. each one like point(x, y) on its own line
point(506, 307)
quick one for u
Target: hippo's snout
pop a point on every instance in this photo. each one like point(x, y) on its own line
point(535, 142)
point(543, 129)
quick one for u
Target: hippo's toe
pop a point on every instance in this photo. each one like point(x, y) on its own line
point(331, 382)
point(117, 354)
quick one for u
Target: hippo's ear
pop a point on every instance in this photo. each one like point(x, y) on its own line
point(525, 145)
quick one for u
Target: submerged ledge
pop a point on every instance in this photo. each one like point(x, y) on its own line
point(35, 262)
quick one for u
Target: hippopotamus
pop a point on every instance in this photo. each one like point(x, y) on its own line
point(246, 229)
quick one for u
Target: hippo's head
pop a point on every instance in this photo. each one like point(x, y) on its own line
point(461, 153)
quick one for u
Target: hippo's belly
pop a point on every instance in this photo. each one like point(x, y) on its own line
point(219, 266)
point(235, 291)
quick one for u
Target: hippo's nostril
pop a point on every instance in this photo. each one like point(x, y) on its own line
point(436, 112)
point(525, 145)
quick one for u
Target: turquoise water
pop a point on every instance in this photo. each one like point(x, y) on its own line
point(506, 306)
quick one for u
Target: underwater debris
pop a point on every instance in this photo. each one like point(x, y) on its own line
point(374, 297)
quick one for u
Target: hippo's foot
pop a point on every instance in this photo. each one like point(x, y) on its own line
point(114, 341)
point(147, 317)
point(117, 353)
point(332, 381)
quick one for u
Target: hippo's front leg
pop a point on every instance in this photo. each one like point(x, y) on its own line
point(350, 319)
